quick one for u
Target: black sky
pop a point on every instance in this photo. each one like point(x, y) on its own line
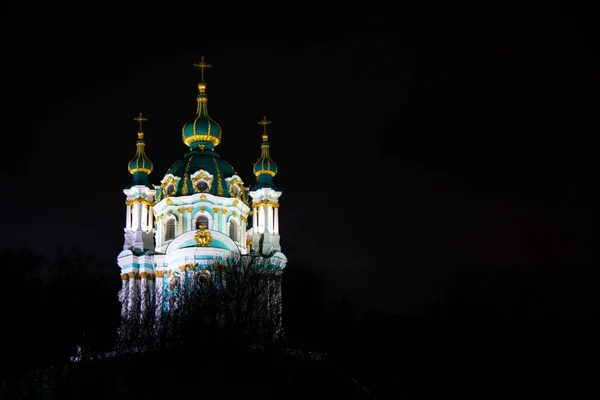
point(426, 140)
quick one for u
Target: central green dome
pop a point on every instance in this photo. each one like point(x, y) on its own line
point(198, 165)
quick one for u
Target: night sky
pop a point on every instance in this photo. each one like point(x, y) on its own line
point(414, 145)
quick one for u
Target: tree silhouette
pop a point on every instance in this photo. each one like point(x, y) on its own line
point(234, 307)
point(51, 305)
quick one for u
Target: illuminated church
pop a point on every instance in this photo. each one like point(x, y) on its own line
point(199, 218)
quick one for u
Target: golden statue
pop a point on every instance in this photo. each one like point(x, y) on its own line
point(202, 236)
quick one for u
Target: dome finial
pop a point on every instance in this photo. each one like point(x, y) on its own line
point(141, 119)
point(264, 122)
point(202, 65)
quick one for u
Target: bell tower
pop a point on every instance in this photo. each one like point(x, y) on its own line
point(265, 195)
point(139, 221)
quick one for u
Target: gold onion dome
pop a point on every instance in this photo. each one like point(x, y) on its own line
point(140, 166)
point(265, 168)
point(202, 132)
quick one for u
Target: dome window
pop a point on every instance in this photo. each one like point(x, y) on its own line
point(235, 185)
point(202, 185)
point(201, 181)
point(169, 185)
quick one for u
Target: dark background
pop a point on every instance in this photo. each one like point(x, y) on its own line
point(412, 143)
point(424, 150)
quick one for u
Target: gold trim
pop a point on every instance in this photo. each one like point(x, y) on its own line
point(184, 189)
point(219, 183)
point(139, 200)
point(265, 203)
point(147, 275)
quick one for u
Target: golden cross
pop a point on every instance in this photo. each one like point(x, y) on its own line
point(140, 118)
point(264, 122)
point(202, 65)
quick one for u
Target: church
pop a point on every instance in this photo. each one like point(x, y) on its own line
point(200, 217)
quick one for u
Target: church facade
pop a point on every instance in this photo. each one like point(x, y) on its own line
point(200, 217)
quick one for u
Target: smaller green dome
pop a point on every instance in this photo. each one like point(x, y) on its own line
point(265, 165)
point(140, 162)
point(202, 132)
point(265, 168)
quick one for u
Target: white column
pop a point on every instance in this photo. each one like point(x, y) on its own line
point(133, 216)
point(144, 217)
point(215, 220)
point(128, 218)
point(188, 219)
point(224, 221)
point(270, 218)
point(276, 221)
point(261, 219)
point(136, 216)
point(138, 205)
point(150, 218)
point(254, 220)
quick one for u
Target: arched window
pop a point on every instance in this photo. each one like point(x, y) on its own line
point(234, 231)
point(170, 189)
point(170, 229)
point(202, 220)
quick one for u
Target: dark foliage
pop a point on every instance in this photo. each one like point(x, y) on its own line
point(497, 334)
